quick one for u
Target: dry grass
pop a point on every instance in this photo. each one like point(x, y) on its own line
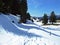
point(58, 20)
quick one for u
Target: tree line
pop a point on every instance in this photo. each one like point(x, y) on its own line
point(15, 7)
point(51, 18)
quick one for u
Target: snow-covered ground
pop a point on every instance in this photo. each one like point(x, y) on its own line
point(31, 33)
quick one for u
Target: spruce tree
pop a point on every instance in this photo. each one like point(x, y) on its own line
point(10, 3)
point(23, 11)
point(52, 17)
point(5, 6)
point(24, 6)
point(28, 16)
point(14, 7)
point(45, 19)
point(1, 6)
point(11, 6)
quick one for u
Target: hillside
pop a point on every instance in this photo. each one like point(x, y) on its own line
point(31, 33)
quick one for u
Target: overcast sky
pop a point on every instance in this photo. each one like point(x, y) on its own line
point(39, 7)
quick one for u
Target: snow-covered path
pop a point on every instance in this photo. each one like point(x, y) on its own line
point(25, 34)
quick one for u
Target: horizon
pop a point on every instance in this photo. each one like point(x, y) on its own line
point(39, 7)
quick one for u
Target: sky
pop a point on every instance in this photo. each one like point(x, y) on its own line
point(39, 7)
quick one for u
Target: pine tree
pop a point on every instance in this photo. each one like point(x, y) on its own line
point(52, 17)
point(5, 6)
point(10, 3)
point(11, 6)
point(1, 5)
point(14, 7)
point(23, 7)
point(28, 16)
point(23, 11)
point(45, 19)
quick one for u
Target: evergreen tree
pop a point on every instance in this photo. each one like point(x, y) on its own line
point(1, 5)
point(45, 19)
point(28, 16)
point(23, 7)
point(52, 17)
point(11, 6)
point(5, 6)
point(14, 7)
point(23, 11)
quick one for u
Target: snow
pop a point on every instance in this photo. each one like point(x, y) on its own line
point(31, 33)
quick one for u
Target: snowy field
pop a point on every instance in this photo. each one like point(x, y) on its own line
point(27, 34)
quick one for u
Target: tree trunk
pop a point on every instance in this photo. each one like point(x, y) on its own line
point(52, 23)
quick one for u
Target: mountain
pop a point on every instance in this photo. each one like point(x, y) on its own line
point(58, 17)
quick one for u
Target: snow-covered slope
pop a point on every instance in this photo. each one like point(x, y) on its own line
point(26, 34)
